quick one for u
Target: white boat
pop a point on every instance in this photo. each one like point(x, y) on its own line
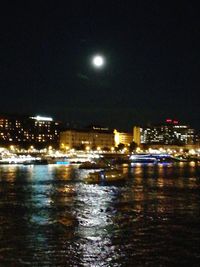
point(151, 158)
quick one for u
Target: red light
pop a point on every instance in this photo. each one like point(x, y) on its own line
point(168, 120)
point(175, 122)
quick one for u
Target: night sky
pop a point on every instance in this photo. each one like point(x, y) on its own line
point(152, 52)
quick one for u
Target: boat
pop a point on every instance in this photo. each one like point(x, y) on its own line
point(36, 162)
point(93, 165)
point(143, 158)
point(25, 160)
point(58, 160)
point(152, 158)
point(105, 177)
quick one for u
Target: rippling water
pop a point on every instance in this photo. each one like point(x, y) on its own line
point(50, 217)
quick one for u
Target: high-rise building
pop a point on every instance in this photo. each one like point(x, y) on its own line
point(24, 131)
point(169, 133)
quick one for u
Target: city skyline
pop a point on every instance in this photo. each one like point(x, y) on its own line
point(151, 61)
point(41, 132)
point(79, 125)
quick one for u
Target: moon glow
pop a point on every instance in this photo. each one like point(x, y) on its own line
point(98, 61)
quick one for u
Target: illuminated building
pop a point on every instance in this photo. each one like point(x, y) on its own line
point(24, 131)
point(90, 138)
point(136, 135)
point(169, 133)
point(123, 138)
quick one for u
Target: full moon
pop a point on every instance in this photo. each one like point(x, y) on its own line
point(98, 61)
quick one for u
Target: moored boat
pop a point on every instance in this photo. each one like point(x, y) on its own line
point(105, 176)
point(93, 165)
point(153, 158)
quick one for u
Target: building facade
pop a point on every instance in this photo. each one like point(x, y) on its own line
point(25, 131)
point(123, 138)
point(169, 133)
point(137, 135)
point(92, 138)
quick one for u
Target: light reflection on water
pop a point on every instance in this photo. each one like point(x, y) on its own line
point(50, 217)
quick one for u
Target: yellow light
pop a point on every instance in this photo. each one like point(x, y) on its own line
point(138, 150)
point(192, 151)
point(87, 148)
point(12, 147)
point(117, 138)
